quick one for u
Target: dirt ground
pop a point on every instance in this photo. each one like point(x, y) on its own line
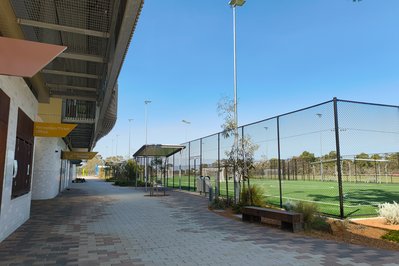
point(365, 232)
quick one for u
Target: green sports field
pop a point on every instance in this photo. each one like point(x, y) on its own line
point(359, 198)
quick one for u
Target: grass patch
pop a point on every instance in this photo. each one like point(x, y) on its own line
point(360, 198)
point(392, 236)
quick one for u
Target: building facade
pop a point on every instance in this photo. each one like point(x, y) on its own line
point(78, 87)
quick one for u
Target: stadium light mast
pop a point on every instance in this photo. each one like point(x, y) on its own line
point(146, 102)
point(116, 145)
point(187, 123)
point(234, 4)
point(130, 129)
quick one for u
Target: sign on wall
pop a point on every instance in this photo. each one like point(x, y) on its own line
point(74, 155)
point(57, 130)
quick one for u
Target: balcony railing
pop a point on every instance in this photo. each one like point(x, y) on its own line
point(78, 111)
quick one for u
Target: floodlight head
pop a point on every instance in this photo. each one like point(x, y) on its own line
point(147, 101)
point(235, 3)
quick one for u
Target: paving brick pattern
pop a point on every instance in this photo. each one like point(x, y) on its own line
point(95, 223)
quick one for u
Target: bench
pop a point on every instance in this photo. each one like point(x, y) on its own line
point(292, 221)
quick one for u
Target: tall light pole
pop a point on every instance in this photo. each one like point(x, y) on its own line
point(321, 147)
point(234, 4)
point(116, 145)
point(146, 102)
point(187, 124)
point(130, 128)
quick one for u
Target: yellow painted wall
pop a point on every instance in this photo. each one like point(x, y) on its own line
point(50, 112)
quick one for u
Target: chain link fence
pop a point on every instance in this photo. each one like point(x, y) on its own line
point(341, 155)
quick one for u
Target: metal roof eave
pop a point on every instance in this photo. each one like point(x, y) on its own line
point(128, 25)
point(158, 150)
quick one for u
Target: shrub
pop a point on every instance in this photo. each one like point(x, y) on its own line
point(309, 211)
point(129, 183)
point(124, 183)
point(289, 205)
point(390, 211)
point(219, 204)
point(320, 223)
point(254, 196)
point(392, 236)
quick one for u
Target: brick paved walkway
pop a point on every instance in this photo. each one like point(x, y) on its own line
point(96, 223)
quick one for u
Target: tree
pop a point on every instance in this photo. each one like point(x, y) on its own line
point(307, 157)
point(113, 164)
point(241, 157)
point(90, 166)
point(131, 169)
point(245, 161)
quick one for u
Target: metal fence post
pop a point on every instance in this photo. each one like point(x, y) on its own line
point(173, 171)
point(339, 170)
point(279, 162)
point(189, 166)
point(200, 161)
point(217, 193)
point(244, 170)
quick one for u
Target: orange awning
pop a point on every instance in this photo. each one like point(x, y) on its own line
point(25, 58)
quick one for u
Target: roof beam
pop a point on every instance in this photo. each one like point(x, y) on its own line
point(38, 24)
point(83, 57)
point(71, 74)
point(66, 86)
point(74, 97)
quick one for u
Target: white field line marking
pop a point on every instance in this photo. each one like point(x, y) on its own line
point(320, 202)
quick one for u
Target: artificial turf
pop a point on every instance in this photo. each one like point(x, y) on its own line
point(359, 198)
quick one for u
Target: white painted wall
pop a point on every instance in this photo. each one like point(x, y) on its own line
point(46, 182)
point(73, 174)
point(14, 212)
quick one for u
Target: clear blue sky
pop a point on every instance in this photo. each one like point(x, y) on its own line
point(291, 54)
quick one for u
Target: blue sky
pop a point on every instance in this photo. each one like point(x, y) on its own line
point(291, 54)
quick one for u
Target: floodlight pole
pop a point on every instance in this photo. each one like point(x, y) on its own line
point(187, 124)
point(234, 4)
point(116, 145)
point(146, 102)
point(130, 128)
point(267, 150)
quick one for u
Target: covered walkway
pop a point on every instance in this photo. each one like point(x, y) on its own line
point(95, 223)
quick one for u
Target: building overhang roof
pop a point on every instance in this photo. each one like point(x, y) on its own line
point(97, 34)
point(158, 150)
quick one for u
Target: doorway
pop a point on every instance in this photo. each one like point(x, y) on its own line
point(4, 113)
point(23, 155)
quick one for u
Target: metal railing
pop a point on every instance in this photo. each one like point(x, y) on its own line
point(78, 111)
